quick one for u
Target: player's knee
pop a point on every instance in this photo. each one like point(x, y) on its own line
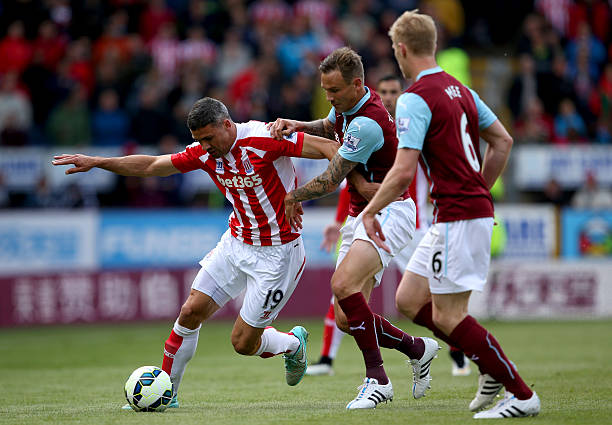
point(190, 315)
point(340, 286)
point(444, 322)
point(407, 308)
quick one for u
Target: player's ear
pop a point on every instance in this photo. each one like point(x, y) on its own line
point(227, 123)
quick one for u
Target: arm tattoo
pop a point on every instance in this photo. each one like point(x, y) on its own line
point(327, 182)
point(321, 128)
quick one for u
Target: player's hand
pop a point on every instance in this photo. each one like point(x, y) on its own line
point(82, 163)
point(331, 234)
point(282, 127)
point(293, 212)
point(374, 231)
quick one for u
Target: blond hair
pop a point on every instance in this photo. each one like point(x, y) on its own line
point(345, 60)
point(417, 31)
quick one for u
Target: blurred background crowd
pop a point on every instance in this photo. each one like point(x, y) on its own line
point(123, 74)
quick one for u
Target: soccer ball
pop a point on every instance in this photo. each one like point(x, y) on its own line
point(148, 389)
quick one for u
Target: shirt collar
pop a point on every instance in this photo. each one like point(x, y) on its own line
point(428, 72)
point(363, 100)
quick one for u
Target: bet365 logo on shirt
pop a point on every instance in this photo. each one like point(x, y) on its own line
point(240, 182)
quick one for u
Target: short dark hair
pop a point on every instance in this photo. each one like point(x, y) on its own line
point(345, 60)
point(206, 111)
point(390, 77)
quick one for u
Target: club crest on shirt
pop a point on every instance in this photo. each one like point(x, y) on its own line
point(351, 142)
point(219, 167)
point(402, 124)
point(246, 163)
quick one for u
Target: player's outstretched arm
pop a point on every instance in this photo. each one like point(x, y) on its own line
point(497, 153)
point(283, 127)
point(394, 184)
point(131, 165)
point(318, 147)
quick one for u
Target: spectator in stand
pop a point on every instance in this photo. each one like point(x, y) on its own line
point(535, 125)
point(234, 57)
point(197, 49)
point(321, 14)
point(154, 17)
point(165, 50)
point(212, 16)
point(182, 97)
point(591, 49)
point(358, 25)
point(270, 12)
point(295, 46)
point(591, 195)
point(554, 194)
point(15, 111)
point(109, 123)
point(80, 67)
point(601, 98)
point(114, 41)
point(538, 41)
point(15, 49)
point(556, 86)
point(596, 13)
point(569, 125)
point(524, 87)
point(150, 120)
point(49, 45)
point(110, 75)
point(556, 12)
point(41, 83)
point(69, 123)
point(42, 196)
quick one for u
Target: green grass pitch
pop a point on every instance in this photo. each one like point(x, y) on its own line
point(75, 375)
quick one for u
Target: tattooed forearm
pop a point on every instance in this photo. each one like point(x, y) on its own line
point(321, 128)
point(325, 183)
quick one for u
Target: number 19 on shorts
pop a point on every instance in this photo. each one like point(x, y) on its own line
point(273, 299)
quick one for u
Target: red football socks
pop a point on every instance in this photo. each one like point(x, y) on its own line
point(362, 327)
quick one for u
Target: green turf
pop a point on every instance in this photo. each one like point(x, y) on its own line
point(69, 375)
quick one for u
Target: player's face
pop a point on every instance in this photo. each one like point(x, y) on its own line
point(216, 139)
point(341, 95)
point(389, 91)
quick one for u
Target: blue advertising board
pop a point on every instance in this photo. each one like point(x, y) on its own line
point(158, 238)
point(586, 234)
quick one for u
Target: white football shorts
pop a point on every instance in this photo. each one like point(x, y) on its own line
point(402, 258)
point(397, 221)
point(270, 274)
point(455, 256)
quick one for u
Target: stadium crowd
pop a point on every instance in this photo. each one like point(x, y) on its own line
point(124, 73)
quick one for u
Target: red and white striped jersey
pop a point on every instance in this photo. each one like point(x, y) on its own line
point(254, 176)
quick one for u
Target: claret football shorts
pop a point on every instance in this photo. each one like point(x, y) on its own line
point(455, 256)
point(269, 274)
point(397, 221)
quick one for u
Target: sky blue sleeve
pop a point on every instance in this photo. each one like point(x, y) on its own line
point(486, 117)
point(332, 115)
point(412, 118)
point(362, 137)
